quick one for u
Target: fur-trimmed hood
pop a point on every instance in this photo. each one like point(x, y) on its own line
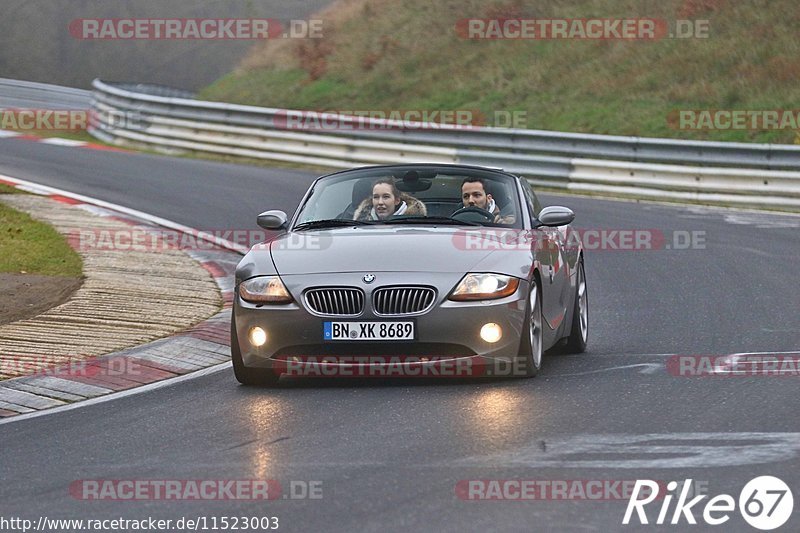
point(415, 207)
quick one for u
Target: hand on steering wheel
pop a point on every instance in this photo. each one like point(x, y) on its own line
point(488, 215)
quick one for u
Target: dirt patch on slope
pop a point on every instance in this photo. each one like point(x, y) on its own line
point(27, 295)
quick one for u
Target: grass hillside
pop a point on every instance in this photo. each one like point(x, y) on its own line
point(34, 247)
point(384, 54)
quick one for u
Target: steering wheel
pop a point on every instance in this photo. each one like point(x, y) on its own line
point(486, 216)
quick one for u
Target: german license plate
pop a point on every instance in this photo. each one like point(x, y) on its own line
point(368, 331)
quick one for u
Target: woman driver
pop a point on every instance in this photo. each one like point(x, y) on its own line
point(387, 201)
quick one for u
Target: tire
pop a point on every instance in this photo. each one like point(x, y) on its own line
point(245, 375)
point(531, 344)
point(579, 331)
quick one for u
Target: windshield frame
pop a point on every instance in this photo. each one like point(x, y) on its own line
point(444, 169)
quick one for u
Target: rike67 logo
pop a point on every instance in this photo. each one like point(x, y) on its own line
point(766, 503)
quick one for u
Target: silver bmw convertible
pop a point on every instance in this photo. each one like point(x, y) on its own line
point(410, 270)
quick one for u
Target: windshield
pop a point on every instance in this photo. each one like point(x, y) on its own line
point(409, 196)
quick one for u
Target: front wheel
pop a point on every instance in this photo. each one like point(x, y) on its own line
point(579, 333)
point(531, 343)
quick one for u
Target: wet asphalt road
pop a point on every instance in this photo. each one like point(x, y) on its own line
point(390, 453)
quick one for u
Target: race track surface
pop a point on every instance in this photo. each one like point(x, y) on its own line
point(390, 453)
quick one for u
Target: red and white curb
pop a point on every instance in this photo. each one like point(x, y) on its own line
point(197, 351)
point(58, 141)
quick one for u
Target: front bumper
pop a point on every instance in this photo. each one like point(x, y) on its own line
point(448, 336)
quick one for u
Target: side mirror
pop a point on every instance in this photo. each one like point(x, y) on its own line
point(272, 220)
point(555, 215)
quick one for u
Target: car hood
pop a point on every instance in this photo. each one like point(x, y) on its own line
point(376, 249)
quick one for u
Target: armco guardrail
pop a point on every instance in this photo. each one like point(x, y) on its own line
point(16, 94)
point(757, 175)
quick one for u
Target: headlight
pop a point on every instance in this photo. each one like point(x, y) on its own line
point(264, 290)
point(485, 287)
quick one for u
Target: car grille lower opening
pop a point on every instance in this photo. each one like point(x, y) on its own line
point(400, 301)
point(416, 349)
point(335, 301)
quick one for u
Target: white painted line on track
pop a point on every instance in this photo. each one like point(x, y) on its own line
point(45, 189)
point(117, 395)
point(676, 354)
point(564, 356)
point(766, 353)
point(645, 451)
point(646, 368)
point(57, 141)
point(223, 243)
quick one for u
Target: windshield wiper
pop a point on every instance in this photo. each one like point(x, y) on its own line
point(331, 223)
point(432, 220)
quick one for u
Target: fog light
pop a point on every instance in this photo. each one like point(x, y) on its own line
point(491, 332)
point(258, 337)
